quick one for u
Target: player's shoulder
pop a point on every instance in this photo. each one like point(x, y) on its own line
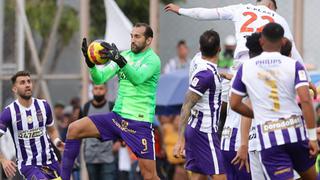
point(6, 113)
point(43, 102)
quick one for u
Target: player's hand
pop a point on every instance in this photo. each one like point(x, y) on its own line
point(84, 50)
point(60, 146)
point(242, 158)
point(111, 52)
point(172, 7)
point(314, 148)
point(314, 90)
point(178, 150)
point(226, 76)
point(9, 168)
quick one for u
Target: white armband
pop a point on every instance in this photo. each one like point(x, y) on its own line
point(312, 134)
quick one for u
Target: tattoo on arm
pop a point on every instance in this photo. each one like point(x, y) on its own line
point(191, 99)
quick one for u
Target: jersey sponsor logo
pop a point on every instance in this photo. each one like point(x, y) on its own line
point(226, 133)
point(252, 134)
point(302, 75)
point(31, 133)
point(194, 82)
point(124, 126)
point(293, 121)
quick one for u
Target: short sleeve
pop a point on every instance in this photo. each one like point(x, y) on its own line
point(228, 12)
point(225, 90)
point(201, 82)
point(238, 87)
point(5, 119)
point(301, 78)
point(49, 121)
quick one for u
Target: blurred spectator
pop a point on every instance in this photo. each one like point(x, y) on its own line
point(181, 61)
point(61, 121)
point(76, 109)
point(176, 169)
point(226, 57)
point(99, 157)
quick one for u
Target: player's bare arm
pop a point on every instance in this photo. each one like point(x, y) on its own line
point(309, 116)
point(190, 100)
point(8, 166)
point(242, 153)
point(54, 136)
point(238, 106)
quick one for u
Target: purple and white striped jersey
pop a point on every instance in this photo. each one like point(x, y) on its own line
point(28, 129)
point(205, 81)
point(271, 81)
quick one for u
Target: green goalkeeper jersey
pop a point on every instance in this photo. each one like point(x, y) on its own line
point(138, 81)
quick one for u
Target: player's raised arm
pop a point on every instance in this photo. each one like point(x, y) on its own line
point(99, 76)
point(224, 13)
point(138, 75)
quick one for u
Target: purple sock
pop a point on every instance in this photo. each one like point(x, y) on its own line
point(71, 151)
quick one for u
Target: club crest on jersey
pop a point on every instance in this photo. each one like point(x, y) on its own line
point(29, 119)
point(39, 116)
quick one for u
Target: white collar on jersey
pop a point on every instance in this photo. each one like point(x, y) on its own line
point(270, 53)
point(17, 101)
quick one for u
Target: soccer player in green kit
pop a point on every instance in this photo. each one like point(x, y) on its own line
point(131, 119)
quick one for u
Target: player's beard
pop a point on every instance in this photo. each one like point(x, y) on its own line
point(98, 98)
point(136, 48)
point(25, 95)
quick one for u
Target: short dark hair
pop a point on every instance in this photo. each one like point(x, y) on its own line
point(148, 32)
point(253, 44)
point(273, 32)
point(59, 105)
point(286, 47)
point(209, 43)
point(273, 1)
point(181, 42)
point(18, 74)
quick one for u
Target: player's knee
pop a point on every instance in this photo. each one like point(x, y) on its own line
point(149, 175)
point(73, 130)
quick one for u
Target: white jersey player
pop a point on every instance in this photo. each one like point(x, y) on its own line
point(200, 112)
point(247, 19)
point(30, 123)
point(271, 81)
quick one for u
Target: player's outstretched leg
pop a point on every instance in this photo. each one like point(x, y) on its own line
point(148, 169)
point(77, 130)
